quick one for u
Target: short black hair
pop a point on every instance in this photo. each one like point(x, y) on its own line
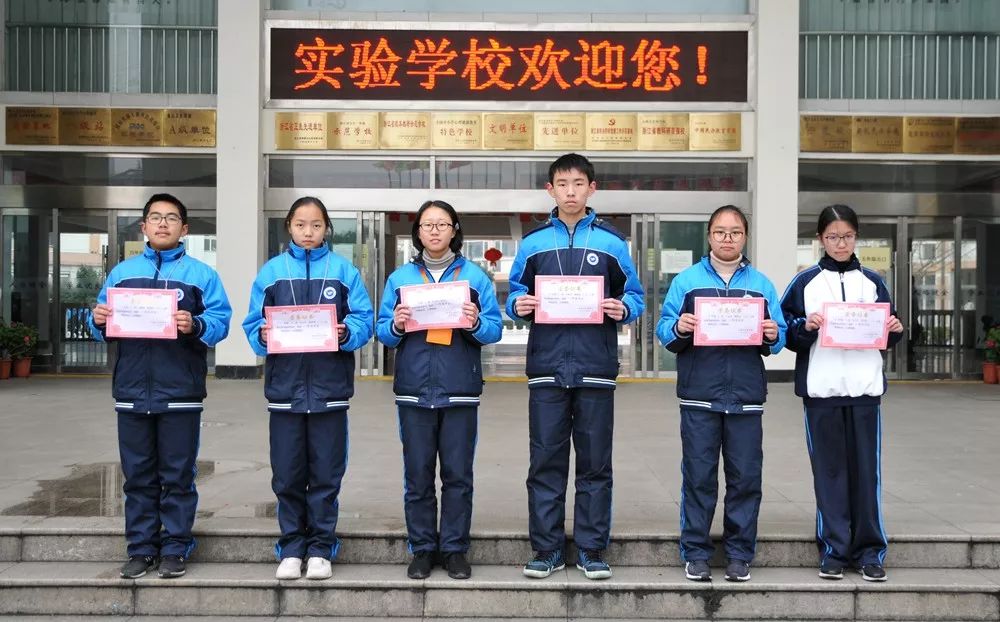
point(571, 161)
point(299, 202)
point(166, 198)
point(833, 213)
point(456, 242)
point(732, 209)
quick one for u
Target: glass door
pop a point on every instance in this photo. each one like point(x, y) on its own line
point(979, 290)
point(83, 264)
point(26, 289)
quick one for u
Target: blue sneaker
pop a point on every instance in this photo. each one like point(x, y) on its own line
point(593, 565)
point(544, 564)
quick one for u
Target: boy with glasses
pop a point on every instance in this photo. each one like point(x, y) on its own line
point(159, 386)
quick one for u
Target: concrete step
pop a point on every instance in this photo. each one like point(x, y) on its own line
point(75, 543)
point(382, 590)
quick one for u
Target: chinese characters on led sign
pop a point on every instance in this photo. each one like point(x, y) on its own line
point(508, 65)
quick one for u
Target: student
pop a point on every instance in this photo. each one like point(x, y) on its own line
point(842, 392)
point(308, 393)
point(722, 390)
point(159, 386)
point(438, 380)
point(571, 371)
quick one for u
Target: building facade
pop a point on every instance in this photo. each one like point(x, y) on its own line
point(239, 107)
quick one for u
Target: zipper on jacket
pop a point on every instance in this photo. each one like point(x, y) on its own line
point(308, 366)
point(569, 350)
point(729, 370)
point(149, 372)
point(843, 290)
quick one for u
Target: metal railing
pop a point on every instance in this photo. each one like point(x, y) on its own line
point(111, 58)
point(837, 65)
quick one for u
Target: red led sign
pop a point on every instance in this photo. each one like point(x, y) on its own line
point(508, 65)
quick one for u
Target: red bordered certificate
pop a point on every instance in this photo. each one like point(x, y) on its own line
point(855, 325)
point(142, 313)
point(303, 328)
point(569, 299)
point(729, 321)
point(436, 305)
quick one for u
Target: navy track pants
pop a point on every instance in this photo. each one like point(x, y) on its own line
point(738, 436)
point(158, 453)
point(555, 415)
point(308, 461)
point(845, 448)
point(448, 434)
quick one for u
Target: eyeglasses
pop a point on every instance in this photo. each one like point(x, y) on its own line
point(720, 236)
point(837, 239)
point(155, 219)
point(436, 226)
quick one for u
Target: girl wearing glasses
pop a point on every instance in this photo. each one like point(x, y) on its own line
point(722, 391)
point(307, 393)
point(842, 390)
point(438, 380)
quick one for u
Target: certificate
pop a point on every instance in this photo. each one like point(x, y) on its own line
point(436, 305)
point(569, 299)
point(729, 321)
point(142, 313)
point(305, 328)
point(855, 325)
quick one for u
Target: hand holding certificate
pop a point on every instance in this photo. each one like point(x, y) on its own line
point(142, 313)
point(569, 299)
point(855, 325)
point(729, 321)
point(304, 328)
point(436, 305)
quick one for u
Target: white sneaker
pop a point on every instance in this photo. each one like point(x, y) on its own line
point(289, 568)
point(319, 568)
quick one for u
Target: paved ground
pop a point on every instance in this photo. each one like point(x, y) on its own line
point(941, 464)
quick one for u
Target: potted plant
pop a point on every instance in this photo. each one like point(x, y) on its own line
point(21, 342)
point(4, 352)
point(992, 355)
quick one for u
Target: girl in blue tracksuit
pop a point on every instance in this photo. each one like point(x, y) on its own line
point(308, 393)
point(842, 392)
point(722, 390)
point(437, 382)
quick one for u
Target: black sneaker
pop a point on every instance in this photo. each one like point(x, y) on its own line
point(873, 572)
point(698, 570)
point(420, 567)
point(737, 570)
point(172, 566)
point(457, 566)
point(137, 565)
point(831, 570)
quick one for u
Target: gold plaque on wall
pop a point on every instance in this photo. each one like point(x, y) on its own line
point(189, 128)
point(662, 131)
point(877, 134)
point(928, 135)
point(32, 126)
point(137, 127)
point(405, 130)
point(614, 131)
point(300, 130)
point(509, 130)
point(563, 131)
point(826, 133)
point(716, 131)
point(352, 130)
point(85, 126)
point(457, 130)
point(977, 135)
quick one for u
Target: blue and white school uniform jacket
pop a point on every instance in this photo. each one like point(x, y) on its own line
point(575, 355)
point(167, 375)
point(834, 377)
point(313, 382)
point(430, 375)
point(727, 379)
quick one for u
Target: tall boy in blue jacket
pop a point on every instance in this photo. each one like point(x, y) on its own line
point(572, 371)
point(159, 386)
